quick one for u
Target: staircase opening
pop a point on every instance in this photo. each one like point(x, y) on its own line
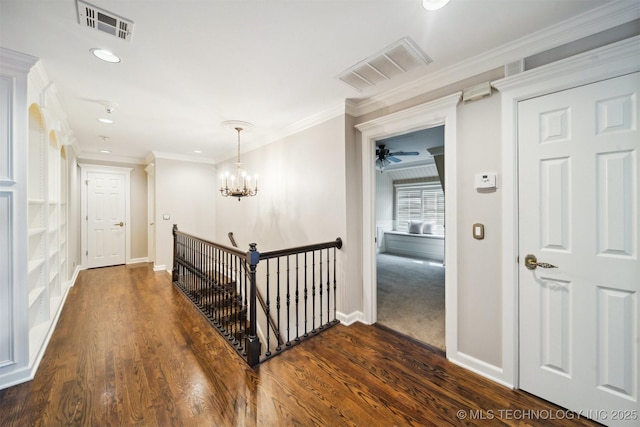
point(262, 303)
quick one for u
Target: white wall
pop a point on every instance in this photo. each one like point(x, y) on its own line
point(301, 196)
point(479, 261)
point(384, 200)
point(187, 192)
point(351, 297)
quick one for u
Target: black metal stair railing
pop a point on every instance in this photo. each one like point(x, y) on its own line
point(259, 296)
point(209, 275)
point(299, 286)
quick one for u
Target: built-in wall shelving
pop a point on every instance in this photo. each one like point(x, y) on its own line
point(46, 278)
point(47, 230)
point(39, 307)
point(34, 273)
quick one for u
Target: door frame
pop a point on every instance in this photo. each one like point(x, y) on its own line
point(435, 113)
point(85, 169)
point(151, 213)
point(599, 64)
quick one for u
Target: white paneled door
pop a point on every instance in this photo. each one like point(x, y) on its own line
point(106, 209)
point(578, 216)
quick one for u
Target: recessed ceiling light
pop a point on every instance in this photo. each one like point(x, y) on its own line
point(105, 151)
point(105, 55)
point(197, 151)
point(434, 4)
point(107, 121)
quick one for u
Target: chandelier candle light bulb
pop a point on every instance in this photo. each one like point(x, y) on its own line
point(240, 182)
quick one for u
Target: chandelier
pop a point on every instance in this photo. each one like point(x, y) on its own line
point(240, 184)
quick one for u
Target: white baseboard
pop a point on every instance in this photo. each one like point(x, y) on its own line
point(52, 327)
point(482, 368)
point(138, 260)
point(349, 319)
point(16, 377)
point(74, 276)
point(159, 267)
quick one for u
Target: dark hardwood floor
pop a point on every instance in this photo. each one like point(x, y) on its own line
point(129, 350)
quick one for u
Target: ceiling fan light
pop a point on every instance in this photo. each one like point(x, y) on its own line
point(434, 4)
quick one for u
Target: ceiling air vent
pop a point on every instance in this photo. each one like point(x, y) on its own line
point(93, 17)
point(399, 58)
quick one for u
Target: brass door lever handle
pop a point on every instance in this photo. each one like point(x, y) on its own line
point(531, 262)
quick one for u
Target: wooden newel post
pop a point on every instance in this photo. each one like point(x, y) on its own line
point(174, 270)
point(252, 341)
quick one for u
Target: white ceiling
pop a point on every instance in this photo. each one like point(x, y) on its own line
point(193, 64)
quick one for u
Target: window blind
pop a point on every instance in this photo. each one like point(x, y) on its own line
point(420, 203)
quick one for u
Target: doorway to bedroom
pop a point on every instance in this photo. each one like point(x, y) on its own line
point(410, 262)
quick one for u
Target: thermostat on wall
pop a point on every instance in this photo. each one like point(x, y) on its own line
point(486, 180)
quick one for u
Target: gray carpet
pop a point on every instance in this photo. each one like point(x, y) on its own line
point(411, 297)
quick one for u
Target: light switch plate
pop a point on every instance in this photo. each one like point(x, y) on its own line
point(478, 231)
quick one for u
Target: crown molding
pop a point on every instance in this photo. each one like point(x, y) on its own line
point(16, 61)
point(591, 22)
point(174, 156)
point(338, 110)
point(309, 122)
point(110, 158)
point(351, 107)
point(598, 64)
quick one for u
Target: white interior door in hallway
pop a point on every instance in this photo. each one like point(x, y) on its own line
point(578, 210)
point(105, 211)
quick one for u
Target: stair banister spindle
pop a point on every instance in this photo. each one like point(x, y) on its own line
point(242, 286)
point(335, 299)
point(278, 301)
point(227, 311)
point(313, 292)
point(215, 289)
point(297, 300)
point(288, 296)
point(174, 270)
point(328, 285)
point(320, 287)
point(306, 296)
point(267, 309)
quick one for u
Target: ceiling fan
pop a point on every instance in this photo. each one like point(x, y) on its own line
point(385, 156)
